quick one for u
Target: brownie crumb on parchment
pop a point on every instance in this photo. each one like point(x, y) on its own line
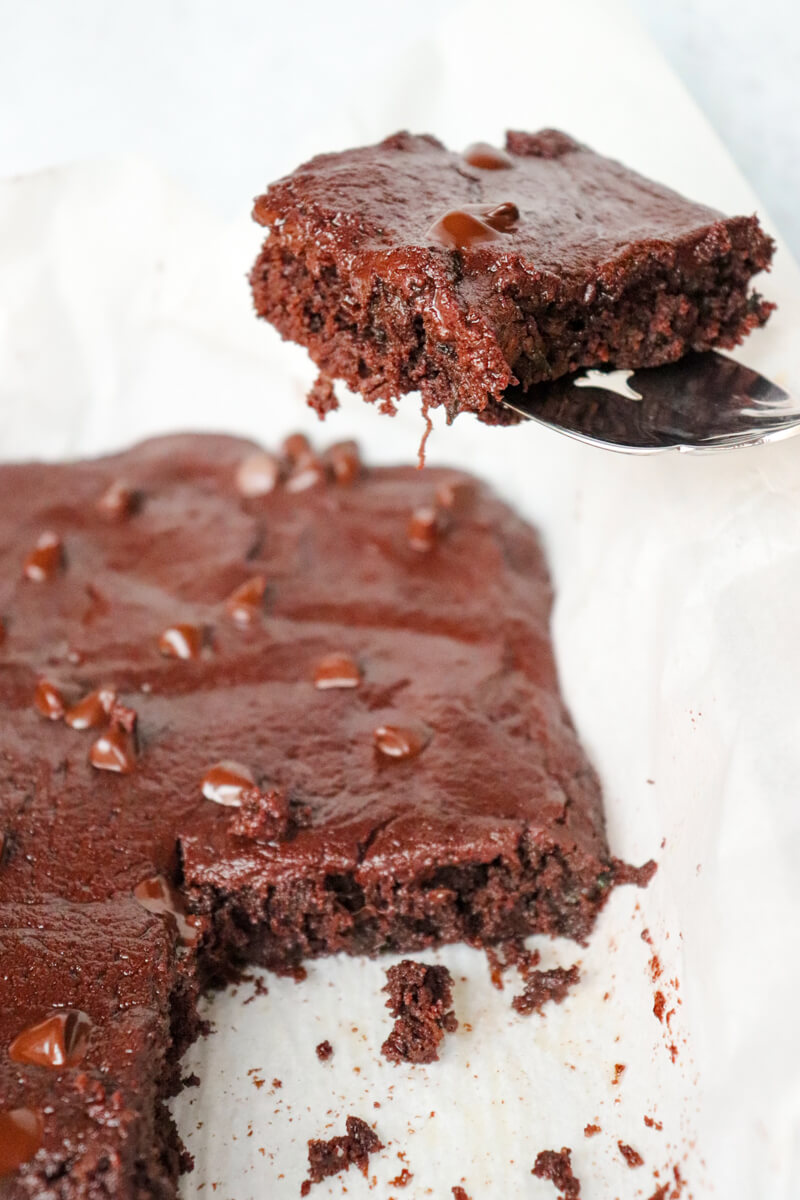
point(460, 1194)
point(545, 986)
point(556, 1165)
point(420, 997)
point(632, 1157)
point(324, 1051)
point(340, 1153)
point(510, 953)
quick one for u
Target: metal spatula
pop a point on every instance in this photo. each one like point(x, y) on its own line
point(703, 402)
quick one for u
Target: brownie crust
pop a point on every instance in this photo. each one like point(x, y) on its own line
point(406, 267)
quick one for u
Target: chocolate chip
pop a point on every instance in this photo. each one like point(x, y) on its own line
point(21, 1135)
point(399, 741)
point(345, 462)
point(258, 474)
point(118, 501)
point(113, 751)
point(296, 447)
point(309, 472)
point(93, 710)
point(501, 217)
point(225, 782)
point(337, 671)
point(487, 157)
point(60, 1040)
point(423, 529)
point(245, 603)
point(48, 700)
point(157, 895)
point(181, 641)
point(46, 559)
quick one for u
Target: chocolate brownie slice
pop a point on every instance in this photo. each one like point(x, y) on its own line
point(95, 1009)
point(248, 713)
point(407, 267)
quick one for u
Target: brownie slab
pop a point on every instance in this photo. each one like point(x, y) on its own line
point(406, 267)
point(255, 707)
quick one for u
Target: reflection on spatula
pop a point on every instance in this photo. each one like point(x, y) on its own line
point(703, 402)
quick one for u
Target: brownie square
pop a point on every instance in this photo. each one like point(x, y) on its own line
point(255, 707)
point(407, 267)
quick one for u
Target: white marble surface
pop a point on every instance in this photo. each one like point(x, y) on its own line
point(196, 86)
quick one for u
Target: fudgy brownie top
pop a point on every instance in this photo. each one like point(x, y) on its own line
point(378, 670)
point(546, 199)
point(405, 266)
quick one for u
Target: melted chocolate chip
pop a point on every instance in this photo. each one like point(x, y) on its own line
point(487, 158)
point(472, 224)
point(245, 603)
point(93, 710)
point(48, 701)
point(21, 1135)
point(225, 783)
point(157, 895)
point(60, 1040)
point(337, 671)
point(258, 474)
point(460, 229)
point(181, 641)
point(117, 502)
point(45, 560)
point(114, 751)
point(344, 461)
point(398, 741)
point(423, 529)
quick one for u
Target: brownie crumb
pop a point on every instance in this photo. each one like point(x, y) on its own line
point(661, 1192)
point(403, 1179)
point(420, 996)
point(651, 1123)
point(632, 1157)
point(339, 1153)
point(619, 1071)
point(191, 1080)
point(460, 1194)
point(591, 1130)
point(511, 953)
point(324, 1051)
point(556, 1165)
point(624, 873)
point(545, 986)
point(322, 398)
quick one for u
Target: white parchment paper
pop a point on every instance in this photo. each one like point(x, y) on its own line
point(124, 312)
